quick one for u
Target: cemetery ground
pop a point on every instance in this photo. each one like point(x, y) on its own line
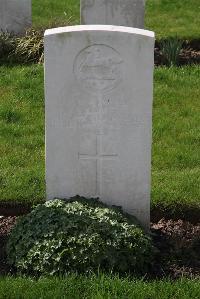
point(175, 164)
point(175, 169)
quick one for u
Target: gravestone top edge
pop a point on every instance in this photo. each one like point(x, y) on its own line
point(110, 28)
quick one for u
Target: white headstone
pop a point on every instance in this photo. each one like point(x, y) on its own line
point(15, 15)
point(99, 86)
point(128, 13)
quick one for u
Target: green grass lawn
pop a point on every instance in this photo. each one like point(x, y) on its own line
point(176, 136)
point(47, 12)
point(97, 287)
point(173, 17)
point(21, 133)
point(165, 17)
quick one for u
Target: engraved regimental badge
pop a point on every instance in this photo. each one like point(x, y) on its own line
point(98, 68)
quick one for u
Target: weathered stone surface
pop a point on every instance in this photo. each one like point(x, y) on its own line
point(99, 86)
point(15, 15)
point(128, 13)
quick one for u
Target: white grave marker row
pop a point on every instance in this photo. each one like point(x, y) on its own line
point(15, 16)
point(128, 13)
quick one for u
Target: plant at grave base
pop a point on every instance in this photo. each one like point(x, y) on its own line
point(171, 49)
point(29, 48)
point(78, 235)
point(7, 44)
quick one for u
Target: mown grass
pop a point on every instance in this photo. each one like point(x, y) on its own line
point(21, 133)
point(173, 18)
point(165, 17)
point(176, 136)
point(48, 12)
point(97, 287)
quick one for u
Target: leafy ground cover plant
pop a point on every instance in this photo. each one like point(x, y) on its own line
point(78, 235)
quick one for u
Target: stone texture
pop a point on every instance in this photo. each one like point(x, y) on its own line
point(15, 15)
point(128, 13)
point(99, 86)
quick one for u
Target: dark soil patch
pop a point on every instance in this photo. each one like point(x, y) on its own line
point(185, 212)
point(178, 244)
point(14, 209)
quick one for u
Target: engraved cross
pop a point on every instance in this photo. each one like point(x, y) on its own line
point(98, 157)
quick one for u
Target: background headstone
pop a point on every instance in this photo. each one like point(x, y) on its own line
point(128, 13)
point(99, 86)
point(15, 15)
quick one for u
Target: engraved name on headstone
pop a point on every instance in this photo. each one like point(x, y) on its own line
point(98, 86)
point(15, 16)
point(128, 13)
